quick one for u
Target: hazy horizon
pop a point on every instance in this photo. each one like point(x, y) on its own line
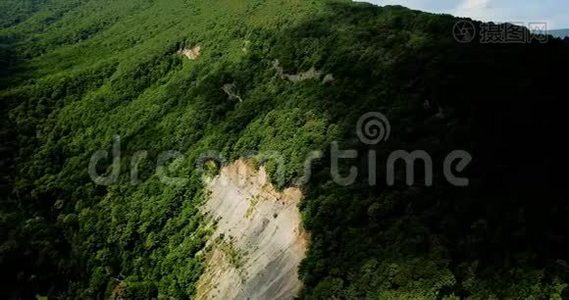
point(554, 12)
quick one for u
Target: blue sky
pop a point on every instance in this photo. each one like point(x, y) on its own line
point(554, 12)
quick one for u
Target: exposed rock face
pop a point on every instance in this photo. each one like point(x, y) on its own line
point(230, 90)
point(192, 53)
point(310, 74)
point(258, 242)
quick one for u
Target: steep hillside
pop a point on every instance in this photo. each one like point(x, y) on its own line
point(174, 85)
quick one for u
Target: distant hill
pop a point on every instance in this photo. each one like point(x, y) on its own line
point(561, 33)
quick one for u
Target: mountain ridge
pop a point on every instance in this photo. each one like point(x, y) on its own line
point(559, 33)
point(82, 77)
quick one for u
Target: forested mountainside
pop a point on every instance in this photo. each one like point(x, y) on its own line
point(196, 76)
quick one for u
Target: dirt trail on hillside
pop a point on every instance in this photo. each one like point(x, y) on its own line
point(258, 242)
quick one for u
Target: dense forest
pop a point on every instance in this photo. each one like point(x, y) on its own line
point(76, 74)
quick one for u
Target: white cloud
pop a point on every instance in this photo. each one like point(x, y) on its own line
point(479, 9)
point(474, 4)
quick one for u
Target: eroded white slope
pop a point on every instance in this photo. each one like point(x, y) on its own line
point(258, 242)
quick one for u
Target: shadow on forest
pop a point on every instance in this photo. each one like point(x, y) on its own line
point(504, 103)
